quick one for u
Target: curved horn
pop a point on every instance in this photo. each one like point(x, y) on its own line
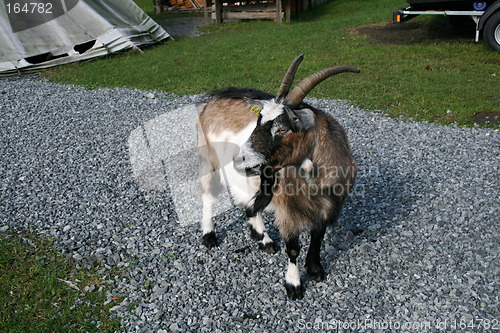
point(295, 97)
point(288, 79)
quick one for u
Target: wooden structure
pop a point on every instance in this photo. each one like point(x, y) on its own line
point(277, 10)
point(187, 4)
point(220, 10)
point(170, 5)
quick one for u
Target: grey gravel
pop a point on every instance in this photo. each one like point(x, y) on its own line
point(416, 249)
point(183, 26)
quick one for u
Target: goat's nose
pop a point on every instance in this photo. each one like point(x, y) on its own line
point(238, 159)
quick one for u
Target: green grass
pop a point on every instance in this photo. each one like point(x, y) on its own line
point(35, 291)
point(418, 80)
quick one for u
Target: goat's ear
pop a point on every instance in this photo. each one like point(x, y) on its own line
point(255, 105)
point(304, 119)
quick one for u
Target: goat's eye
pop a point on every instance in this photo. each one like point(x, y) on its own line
point(282, 131)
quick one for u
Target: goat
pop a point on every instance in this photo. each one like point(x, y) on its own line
point(280, 154)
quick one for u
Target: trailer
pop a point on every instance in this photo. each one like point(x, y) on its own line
point(486, 15)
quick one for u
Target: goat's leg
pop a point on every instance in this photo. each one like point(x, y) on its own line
point(258, 233)
point(293, 286)
point(313, 261)
point(210, 181)
point(254, 212)
point(207, 225)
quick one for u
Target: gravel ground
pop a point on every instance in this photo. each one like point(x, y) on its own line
point(110, 175)
point(183, 26)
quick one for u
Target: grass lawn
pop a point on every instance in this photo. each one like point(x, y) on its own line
point(444, 80)
point(42, 291)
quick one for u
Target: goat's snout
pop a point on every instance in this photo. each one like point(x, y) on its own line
point(239, 161)
point(248, 161)
point(240, 166)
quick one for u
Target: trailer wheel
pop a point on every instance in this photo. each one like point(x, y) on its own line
point(491, 32)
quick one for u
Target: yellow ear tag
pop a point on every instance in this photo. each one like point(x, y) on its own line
point(256, 109)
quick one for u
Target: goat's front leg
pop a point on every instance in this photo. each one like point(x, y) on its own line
point(209, 193)
point(313, 261)
point(254, 211)
point(293, 286)
point(258, 233)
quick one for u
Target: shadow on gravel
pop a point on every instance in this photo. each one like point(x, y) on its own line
point(381, 199)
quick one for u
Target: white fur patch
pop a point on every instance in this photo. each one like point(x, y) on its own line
point(266, 239)
point(271, 111)
point(293, 275)
point(242, 188)
point(238, 138)
point(207, 225)
point(307, 165)
point(257, 223)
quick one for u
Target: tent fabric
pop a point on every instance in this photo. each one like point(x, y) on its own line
point(71, 30)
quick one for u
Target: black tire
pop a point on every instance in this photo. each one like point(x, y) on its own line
point(491, 32)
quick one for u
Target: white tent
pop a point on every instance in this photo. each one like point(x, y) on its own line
point(38, 34)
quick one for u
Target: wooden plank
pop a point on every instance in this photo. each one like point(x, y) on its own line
point(287, 11)
point(252, 7)
point(262, 11)
point(278, 12)
point(249, 15)
point(195, 4)
point(218, 11)
point(205, 12)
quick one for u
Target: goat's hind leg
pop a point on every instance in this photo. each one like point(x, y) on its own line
point(210, 188)
point(207, 225)
point(313, 261)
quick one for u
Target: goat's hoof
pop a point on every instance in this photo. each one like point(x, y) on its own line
point(269, 248)
point(316, 273)
point(209, 240)
point(294, 292)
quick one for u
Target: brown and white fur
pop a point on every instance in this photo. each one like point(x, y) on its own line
point(276, 153)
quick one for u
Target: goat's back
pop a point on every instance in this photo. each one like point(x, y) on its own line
point(227, 110)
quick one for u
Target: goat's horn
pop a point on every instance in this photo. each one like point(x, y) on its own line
point(295, 97)
point(288, 79)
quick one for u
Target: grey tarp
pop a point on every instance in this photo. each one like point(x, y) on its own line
point(37, 34)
